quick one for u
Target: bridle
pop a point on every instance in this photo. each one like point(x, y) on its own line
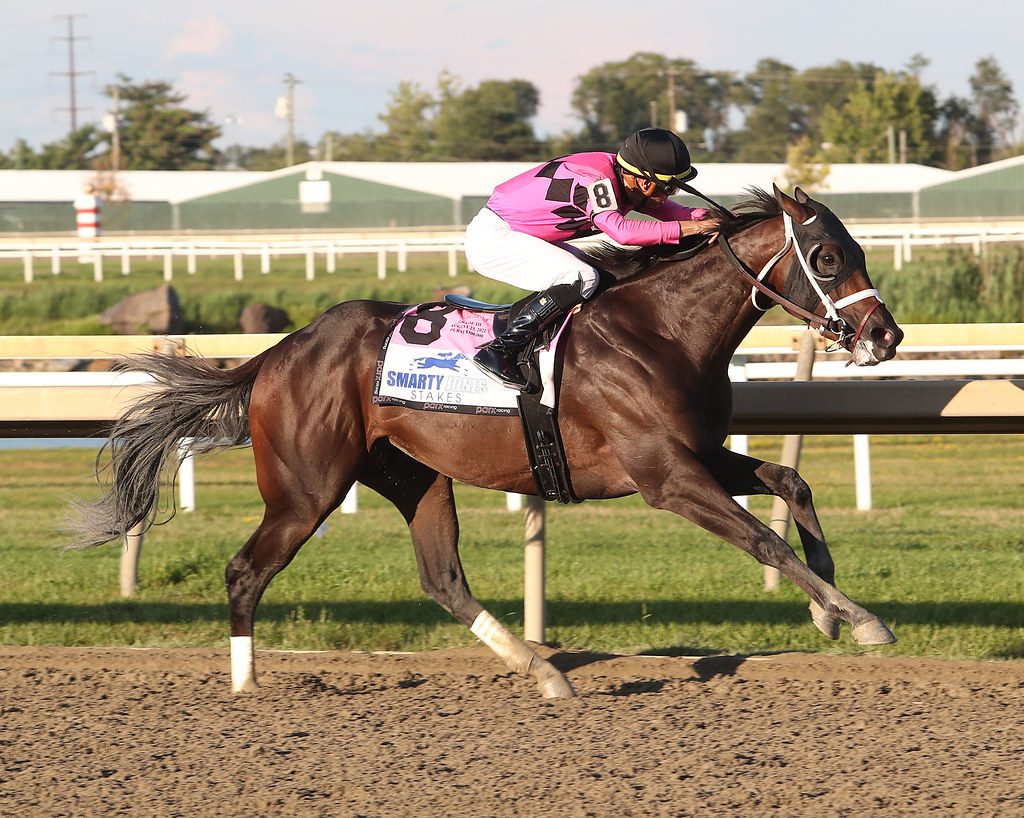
point(830, 325)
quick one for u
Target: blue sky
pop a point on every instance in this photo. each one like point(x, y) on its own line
point(230, 57)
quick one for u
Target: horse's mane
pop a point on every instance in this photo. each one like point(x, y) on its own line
point(621, 262)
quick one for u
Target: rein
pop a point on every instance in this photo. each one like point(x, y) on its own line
point(836, 327)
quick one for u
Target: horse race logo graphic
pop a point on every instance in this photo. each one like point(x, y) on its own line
point(442, 360)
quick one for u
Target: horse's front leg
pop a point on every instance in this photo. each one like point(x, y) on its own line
point(743, 475)
point(677, 481)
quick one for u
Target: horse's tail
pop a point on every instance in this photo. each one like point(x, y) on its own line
point(192, 400)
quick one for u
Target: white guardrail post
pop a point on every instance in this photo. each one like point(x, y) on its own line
point(791, 445)
point(862, 470)
point(533, 571)
point(187, 476)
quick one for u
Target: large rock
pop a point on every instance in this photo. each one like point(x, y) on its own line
point(157, 312)
point(459, 289)
point(263, 318)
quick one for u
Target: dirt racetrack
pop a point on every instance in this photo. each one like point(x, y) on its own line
point(97, 731)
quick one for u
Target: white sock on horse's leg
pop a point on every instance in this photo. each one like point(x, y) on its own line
point(516, 653)
point(243, 665)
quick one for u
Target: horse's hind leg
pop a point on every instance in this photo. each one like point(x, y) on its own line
point(299, 492)
point(742, 475)
point(425, 499)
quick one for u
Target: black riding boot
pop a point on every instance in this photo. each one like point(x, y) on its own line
point(500, 358)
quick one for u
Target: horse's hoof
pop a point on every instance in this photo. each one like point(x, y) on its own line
point(556, 687)
point(873, 632)
point(823, 622)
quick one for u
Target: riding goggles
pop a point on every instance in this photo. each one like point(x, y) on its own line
point(670, 184)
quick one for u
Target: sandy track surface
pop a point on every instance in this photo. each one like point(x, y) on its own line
point(157, 732)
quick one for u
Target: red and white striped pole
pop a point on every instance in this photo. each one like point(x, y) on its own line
point(87, 219)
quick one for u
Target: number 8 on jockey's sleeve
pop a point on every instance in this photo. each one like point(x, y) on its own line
point(517, 237)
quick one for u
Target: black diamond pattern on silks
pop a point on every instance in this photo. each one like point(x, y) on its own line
point(576, 221)
point(549, 169)
point(580, 196)
point(579, 228)
point(559, 190)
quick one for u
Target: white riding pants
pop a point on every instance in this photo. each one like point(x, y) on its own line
point(497, 251)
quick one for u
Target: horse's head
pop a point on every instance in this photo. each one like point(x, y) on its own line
point(828, 277)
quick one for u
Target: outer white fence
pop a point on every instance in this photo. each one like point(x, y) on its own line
point(121, 251)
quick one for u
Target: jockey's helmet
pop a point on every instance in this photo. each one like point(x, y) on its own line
point(658, 155)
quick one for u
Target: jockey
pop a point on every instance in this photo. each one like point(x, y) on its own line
point(518, 238)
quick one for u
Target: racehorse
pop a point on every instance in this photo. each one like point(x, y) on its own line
point(644, 407)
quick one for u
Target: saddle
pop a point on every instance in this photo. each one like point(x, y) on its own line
point(539, 420)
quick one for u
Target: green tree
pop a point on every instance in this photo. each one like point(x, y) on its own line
point(859, 129)
point(773, 118)
point(489, 122)
point(77, 151)
point(996, 108)
point(821, 87)
point(409, 122)
point(615, 98)
point(958, 132)
point(272, 157)
point(805, 165)
point(157, 133)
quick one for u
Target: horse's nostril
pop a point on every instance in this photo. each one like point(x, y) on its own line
point(883, 337)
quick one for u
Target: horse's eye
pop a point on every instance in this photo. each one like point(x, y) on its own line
point(828, 259)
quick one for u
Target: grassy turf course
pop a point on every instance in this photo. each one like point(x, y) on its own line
point(941, 559)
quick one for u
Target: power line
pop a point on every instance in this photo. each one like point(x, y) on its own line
point(71, 73)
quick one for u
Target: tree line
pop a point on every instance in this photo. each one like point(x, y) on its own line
point(842, 112)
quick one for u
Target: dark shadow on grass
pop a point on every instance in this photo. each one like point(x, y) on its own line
point(422, 611)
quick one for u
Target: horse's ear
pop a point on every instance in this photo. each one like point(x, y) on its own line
point(800, 195)
point(798, 210)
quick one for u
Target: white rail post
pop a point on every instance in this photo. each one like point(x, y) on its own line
point(310, 266)
point(533, 571)
point(187, 476)
point(331, 261)
point(513, 501)
point(265, 259)
point(453, 263)
point(191, 260)
point(97, 266)
point(130, 561)
point(739, 443)
point(126, 260)
point(168, 266)
point(239, 272)
point(791, 445)
point(28, 268)
point(403, 257)
point(55, 260)
point(350, 505)
point(382, 264)
point(862, 470)
point(897, 255)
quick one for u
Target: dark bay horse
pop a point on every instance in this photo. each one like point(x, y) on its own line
point(645, 407)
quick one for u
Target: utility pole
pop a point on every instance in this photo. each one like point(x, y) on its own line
point(71, 73)
point(671, 72)
point(291, 82)
point(115, 131)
